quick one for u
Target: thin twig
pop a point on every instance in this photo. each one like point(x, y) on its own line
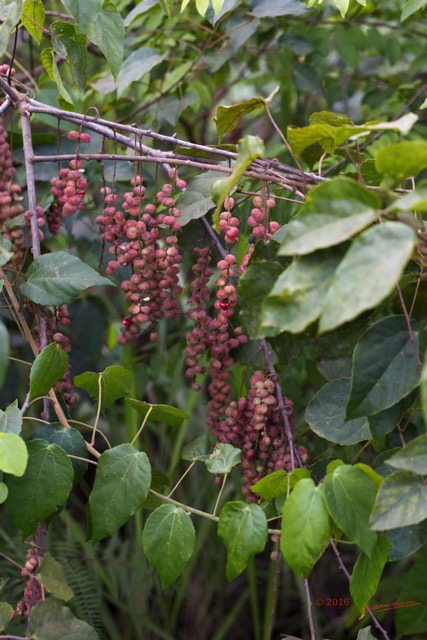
point(309, 610)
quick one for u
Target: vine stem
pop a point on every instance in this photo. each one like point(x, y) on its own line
point(309, 610)
point(410, 332)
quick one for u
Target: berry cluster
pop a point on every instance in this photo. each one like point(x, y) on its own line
point(68, 190)
point(146, 240)
point(229, 224)
point(40, 221)
point(10, 193)
point(263, 227)
point(32, 591)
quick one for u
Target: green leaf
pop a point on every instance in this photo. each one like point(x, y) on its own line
point(306, 527)
point(50, 620)
point(160, 412)
point(122, 481)
point(274, 8)
point(108, 386)
point(423, 388)
point(11, 419)
point(136, 65)
point(384, 367)
point(385, 421)
point(227, 118)
point(83, 12)
point(367, 573)
point(48, 60)
point(32, 18)
point(196, 200)
point(197, 449)
point(58, 278)
point(365, 634)
point(107, 31)
point(410, 7)
point(382, 250)
point(250, 148)
point(273, 485)
point(49, 367)
point(350, 496)
point(4, 352)
point(68, 44)
point(403, 159)
point(296, 299)
point(6, 612)
point(217, 5)
point(404, 541)
point(4, 492)
point(326, 415)
point(415, 200)
point(168, 541)
point(223, 458)
point(52, 577)
point(202, 6)
point(342, 5)
point(335, 211)
point(401, 501)
point(68, 439)
point(10, 13)
point(254, 285)
point(13, 454)
point(243, 529)
point(6, 250)
point(45, 486)
point(413, 456)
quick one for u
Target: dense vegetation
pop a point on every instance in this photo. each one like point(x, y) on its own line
point(213, 389)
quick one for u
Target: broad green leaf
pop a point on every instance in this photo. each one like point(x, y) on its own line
point(6, 612)
point(217, 5)
point(83, 12)
point(326, 415)
point(384, 367)
point(107, 31)
point(413, 456)
point(136, 65)
point(401, 501)
point(68, 439)
point(382, 250)
point(367, 574)
point(3, 492)
point(365, 634)
point(243, 529)
point(6, 250)
point(143, 7)
point(13, 454)
point(48, 60)
point(415, 200)
point(10, 13)
point(250, 148)
point(4, 352)
point(410, 7)
point(69, 44)
point(11, 419)
point(404, 541)
point(335, 352)
point(197, 449)
point(227, 118)
point(49, 367)
point(51, 620)
point(403, 159)
point(167, 6)
point(350, 496)
point(52, 577)
point(254, 285)
point(168, 541)
point(107, 386)
point(296, 299)
point(334, 212)
point(373, 475)
point(223, 458)
point(385, 421)
point(122, 481)
point(160, 412)
point(44, 487)
point(414, 591)
point(196, 200)
point(32, 18)
point(274, 8)
point(58, 278)
point(306, 527)
point(273, 485)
